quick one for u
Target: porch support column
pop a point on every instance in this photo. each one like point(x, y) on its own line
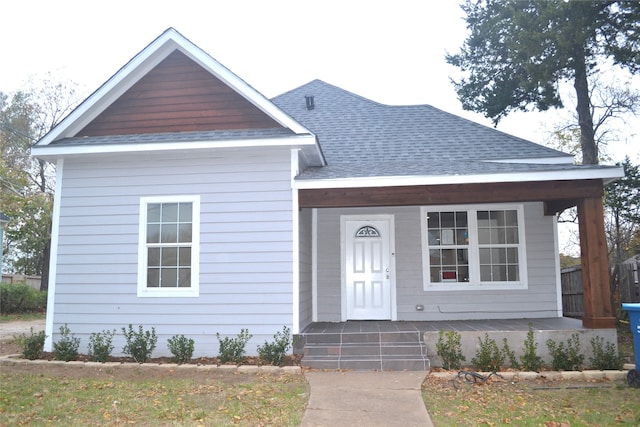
point(595, 265)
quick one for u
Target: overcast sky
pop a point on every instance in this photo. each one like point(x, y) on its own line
point(389, 51)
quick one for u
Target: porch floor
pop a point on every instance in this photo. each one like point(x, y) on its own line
point(408, 345)
point(358, 326)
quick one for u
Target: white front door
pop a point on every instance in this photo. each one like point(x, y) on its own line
point(367, 268)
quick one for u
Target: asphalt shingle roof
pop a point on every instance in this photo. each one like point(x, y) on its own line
point(360, 137)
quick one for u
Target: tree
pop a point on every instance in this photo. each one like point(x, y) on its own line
point(622, 201)
point(26, 183)
point(519, 51)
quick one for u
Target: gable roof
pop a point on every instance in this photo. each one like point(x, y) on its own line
point(137, 68)
point(367, 143)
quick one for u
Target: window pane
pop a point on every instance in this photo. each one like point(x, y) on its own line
point(169, 212)
point(184, 232)
point(185, 212)
point(499, 256)
point(184, 278)
point(169, 257)
point(185, 257)
point(511, 218)
point(153, 277)
point(433, 220)
point(435, 274)
point(169, 278)
point(435, 257)
point(461, 219)
point(514, 273)
point(485, 273)
point(497, 236)
point(434, 238)
point(153, 233)
point(153, 212)
point(447, 219)
point(462, 236)
point(512, 235)
point(484, 236)
point(463, 256)
point(483, 218)
point(463, 274)
point(485, 256)
point(497, 218)
point(512, 255)
point(499, 273)
point(448, 257)
point(169, 233)
point(153, 257)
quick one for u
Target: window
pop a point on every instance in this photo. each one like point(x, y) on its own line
point(468, 247)
point(169, 246)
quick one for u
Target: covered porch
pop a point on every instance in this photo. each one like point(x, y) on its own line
point(411, 345)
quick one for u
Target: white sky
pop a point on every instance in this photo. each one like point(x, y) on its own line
point(389, 51)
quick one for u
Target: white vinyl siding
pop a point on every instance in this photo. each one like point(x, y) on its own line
point(245, 245)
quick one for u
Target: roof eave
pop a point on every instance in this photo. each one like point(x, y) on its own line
point(52, 152)
point(607, 176)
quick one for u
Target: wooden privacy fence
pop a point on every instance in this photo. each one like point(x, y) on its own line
point(625, 286)
point(33, 281)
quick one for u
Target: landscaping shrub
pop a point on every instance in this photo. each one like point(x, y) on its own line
point(232, 349)
point(100, 346)
point(510, 354)
point(530, 359)
point(66, 348)
point(566, 358)
point(32, 345)
point(488, 357)
point(450, 350)
point(274, 352)
point(21, 298)
point(605, 356)
point(181, 347)
point(140, 344)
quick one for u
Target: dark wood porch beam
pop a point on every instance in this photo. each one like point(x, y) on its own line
point(598, 313)
point(560, 191)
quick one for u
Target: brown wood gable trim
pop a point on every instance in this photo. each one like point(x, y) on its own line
point(178, 95)
point(557, 194)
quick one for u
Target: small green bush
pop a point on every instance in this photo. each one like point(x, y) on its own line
point(449, 349)
point(509, 354)
point(488, 357)
point(566, 358)
point(100, 346)
point(530, 359)
point(605, 356)
point(21, 298)
point(140, 344)
point(32, 345)
point(66, 348)
point(181, 347)
point(233, 349)
point(274, 352)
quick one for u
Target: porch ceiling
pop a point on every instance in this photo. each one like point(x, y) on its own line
point(557, 195)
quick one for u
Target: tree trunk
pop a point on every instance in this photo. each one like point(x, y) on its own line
point(581, 85)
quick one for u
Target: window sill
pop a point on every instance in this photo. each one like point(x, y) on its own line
point(168, 293)
point(458, 287)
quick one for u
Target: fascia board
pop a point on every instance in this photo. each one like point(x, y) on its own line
point(53, 151)
point(607, 175)
point(144, 62)
point(560, 160)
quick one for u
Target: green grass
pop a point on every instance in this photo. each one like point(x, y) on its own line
point(21, 316)
point(248, 400)
point(531, 403)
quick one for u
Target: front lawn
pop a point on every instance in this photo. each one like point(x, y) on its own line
point(532, 403)
point(143, 397)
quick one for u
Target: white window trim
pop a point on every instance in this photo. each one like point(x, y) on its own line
point(192, 291)
point(474, 257)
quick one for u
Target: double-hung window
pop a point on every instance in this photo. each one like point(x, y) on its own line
point(169, 246)
point(473, 247)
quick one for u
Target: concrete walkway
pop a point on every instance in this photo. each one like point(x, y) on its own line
point(366, 398)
